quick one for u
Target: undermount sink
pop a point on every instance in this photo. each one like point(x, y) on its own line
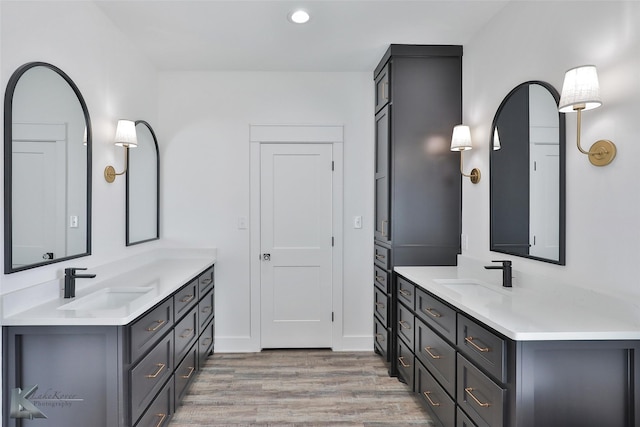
point(470, 288)
point(107, 299)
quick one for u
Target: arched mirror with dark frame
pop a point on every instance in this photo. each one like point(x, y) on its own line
point(527, 175)
point(47, 169)
point(143, 187)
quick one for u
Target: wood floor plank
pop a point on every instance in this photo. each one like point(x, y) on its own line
point(286, 388)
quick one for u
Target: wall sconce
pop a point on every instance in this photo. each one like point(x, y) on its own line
point(125, 137)
point(581, 91)
point(461, 141)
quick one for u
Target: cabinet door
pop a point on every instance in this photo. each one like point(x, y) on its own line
point(383, 93)
point(382, 230)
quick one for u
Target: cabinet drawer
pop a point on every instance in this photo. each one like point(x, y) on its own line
point(381, 336)
point(186, 372)
point(381, 278)
point(482, 346)
point(205, 343)
point(381, 257)
point(462, 420)
point(436, 314)
point(406, 292)
point(406, 325)
point(185, 299)
point(434, 398)
point(206, 307)
point(383, 90)
point(185, 334)
point(381, 305)
point(405, 363)
point(150, 328)
point(205, 281)
point(148, 376)
point(161, 409)
point(481, 398)
point(437, 355)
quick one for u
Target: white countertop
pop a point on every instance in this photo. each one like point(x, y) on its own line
point(160, 275)
point(529, 314)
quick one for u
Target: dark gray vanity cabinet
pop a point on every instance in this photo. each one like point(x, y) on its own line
point(111, 376)
point(418, 101)
point(469, 375)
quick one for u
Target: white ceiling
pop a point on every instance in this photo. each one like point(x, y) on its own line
point(342, 35)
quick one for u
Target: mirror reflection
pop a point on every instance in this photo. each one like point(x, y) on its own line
point(527, 175)
point(47, 169)
point(143, 178)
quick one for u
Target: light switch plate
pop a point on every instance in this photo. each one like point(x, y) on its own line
point(357, 221)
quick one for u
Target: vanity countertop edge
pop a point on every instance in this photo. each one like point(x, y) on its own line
point(162, 275)
point(525, 314)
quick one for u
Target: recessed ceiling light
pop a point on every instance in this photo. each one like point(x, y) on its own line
point(299, 17)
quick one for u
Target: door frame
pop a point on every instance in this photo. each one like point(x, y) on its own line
point(296, 134)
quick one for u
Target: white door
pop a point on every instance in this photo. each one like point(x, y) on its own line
point(38, 201)
point(296, 245)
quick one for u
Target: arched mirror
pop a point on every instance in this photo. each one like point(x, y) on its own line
point(143, 187)
point(527, 163)
point(47, 169)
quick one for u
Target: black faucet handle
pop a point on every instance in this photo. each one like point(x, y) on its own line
point(505, 262)
point(72, 270)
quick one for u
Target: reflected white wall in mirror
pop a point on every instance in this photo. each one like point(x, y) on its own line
point(143, 187)
point(47, 163)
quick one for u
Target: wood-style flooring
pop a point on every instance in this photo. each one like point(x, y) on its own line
point(298, 388)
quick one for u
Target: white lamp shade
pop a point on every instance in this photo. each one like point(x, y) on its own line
point(580, 88)
point(461, 138)
point(126, 134)
point(496, 139)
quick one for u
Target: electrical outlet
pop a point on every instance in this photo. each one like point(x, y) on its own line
point(242, 223)
point(357, 221)
point(73, 221)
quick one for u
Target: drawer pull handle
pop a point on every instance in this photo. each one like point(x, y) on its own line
point(206, 342)
point(379, 256)
point(160, 366)
point(401, 360)
point(476, 346)
point(191, 370)
point(384, 234)
point(426, 394)
point(404, 292)
point(380, 278)
point(162, 418)
point(380, 305)
point(469, 391)
point(158, 326)
point(431, 312)
point(187, 333)
point(385, 92)
point(433, 356)
point(206, 281)
point(404, 324)
point(187, 298)
point(206, 309)
point(379, 337)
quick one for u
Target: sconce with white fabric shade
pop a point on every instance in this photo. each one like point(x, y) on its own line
point(125, 137)
point(581, 91)
point(461, 141)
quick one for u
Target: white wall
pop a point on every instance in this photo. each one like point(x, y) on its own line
point(540, 41)
point(115, 81)
point(204, 119)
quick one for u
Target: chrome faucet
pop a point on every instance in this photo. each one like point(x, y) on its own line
point(70, 277)
point(506, 271)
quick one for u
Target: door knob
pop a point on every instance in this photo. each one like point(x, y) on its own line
point(266, 257)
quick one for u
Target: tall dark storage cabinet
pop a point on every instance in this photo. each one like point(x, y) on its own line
point(417, 178)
